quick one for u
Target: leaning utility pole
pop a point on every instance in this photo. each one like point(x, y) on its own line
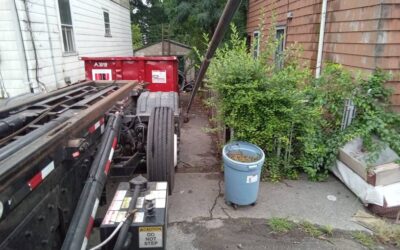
point(223, 24)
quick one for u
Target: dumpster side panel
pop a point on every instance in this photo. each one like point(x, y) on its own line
point(160, 72)
point(162, 75)
point(133, 69)
point(101, 69)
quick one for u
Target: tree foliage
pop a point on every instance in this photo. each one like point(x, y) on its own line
point(151, 17)
point(137, 39)
point(182, 20)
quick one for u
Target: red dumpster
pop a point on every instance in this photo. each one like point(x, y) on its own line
point(160, 72)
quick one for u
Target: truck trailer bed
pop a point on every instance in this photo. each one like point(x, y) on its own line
point(47, 145)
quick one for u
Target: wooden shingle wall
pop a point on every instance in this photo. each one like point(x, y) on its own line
point(360, 34)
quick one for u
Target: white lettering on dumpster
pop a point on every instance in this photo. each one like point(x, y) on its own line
point(150, 237)
point(159, 76)
point(100, 64)
point(252, 178)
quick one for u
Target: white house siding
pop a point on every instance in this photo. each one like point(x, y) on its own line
point(55, 67)
point(12, 73)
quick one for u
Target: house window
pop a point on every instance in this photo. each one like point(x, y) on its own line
point(256, 44)
point(107, 23)
point(280, 37)
point(66, 26)
point(248, 43)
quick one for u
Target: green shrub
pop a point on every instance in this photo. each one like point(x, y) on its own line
point(293, 117)
point(262, 105)
point(373, 116)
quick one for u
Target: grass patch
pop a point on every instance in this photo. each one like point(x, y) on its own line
point(311, 229)
point(328, 230)
point(364, 239)
point(387, 233)
point(384, 231)
point(280, 225)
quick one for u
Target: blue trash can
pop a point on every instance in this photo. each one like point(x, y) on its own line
point(242, 179)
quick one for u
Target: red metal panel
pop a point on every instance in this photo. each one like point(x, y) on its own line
point(160, 72)
point(133, 69)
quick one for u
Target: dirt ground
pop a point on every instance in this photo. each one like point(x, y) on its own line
point(198, 151)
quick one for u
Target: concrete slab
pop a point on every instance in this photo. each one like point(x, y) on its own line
point(179, 240)
point(193, 196)
point(198, 196)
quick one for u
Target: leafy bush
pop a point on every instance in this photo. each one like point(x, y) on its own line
point(373, 117)
point(261, 104)
point(293, 117)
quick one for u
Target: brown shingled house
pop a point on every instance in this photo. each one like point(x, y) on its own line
point(360, 34)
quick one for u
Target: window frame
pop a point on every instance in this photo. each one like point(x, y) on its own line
point(282, 44)
point(64, 28)
point(256, 48)
point(107, 31)
point(69, 38)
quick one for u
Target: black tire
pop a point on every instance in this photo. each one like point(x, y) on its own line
point(160, 147)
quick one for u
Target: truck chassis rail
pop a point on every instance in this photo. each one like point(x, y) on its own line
point(46, 149)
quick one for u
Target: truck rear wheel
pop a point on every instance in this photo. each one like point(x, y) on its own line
point(160, 146)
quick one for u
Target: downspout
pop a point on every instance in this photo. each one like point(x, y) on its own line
point(50, 44)
point(321, 39)
point(21, 41)
point(28, 22)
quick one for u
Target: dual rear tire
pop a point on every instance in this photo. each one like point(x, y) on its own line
point(161, 147)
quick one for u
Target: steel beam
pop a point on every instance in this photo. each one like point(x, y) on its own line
point(4, 112)
point(82, 222)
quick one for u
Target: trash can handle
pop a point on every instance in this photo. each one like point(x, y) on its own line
point(253, 167)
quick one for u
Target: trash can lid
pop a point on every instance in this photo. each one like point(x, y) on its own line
point(248, 151)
